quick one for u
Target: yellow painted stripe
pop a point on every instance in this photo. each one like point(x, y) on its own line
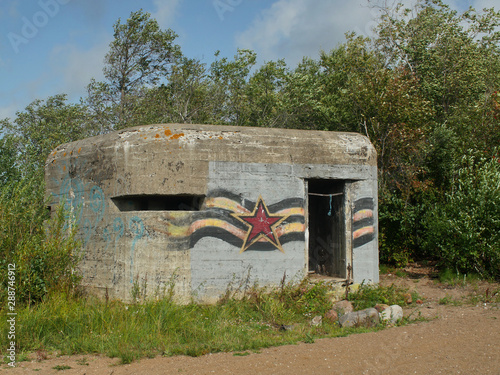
point(291, 211)
point(362, 214)
point(290, 228)
point(226, 204)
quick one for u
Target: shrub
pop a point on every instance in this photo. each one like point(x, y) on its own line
point(464, 229)
point(43, 251)
point(399, 224)
point(370, 295)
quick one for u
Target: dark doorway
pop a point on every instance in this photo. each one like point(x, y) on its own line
point(326, 227)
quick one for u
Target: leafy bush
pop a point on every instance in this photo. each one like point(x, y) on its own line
point(370, 295)
point(399, 224)
point(43, 251)
point(464, 230)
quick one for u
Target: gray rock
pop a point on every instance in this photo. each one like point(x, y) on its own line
point(317, 320)
point(365, 318)
point(392, 314)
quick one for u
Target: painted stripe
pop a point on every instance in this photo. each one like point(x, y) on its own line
point(199, 224)
point(363, 232)
point(289, 228)
point(362, 214)
point(291, 211)
point(175, 231)
point(225, 204)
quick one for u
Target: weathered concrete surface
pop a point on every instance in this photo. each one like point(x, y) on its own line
point(115, 186)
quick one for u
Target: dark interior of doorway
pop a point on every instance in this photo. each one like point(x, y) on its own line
point(326, 227)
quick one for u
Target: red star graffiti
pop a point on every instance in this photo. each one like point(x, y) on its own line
point(261, 224)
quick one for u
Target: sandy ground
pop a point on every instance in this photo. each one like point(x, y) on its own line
point(457, 340)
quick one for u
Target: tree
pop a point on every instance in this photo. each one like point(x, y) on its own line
point(451, 63)
point(139, 56)
point(8, 161)
point(231, 79)
point(454, 57)
point(185, 98)
point(303, 96)
point(41, 127)
point(265, 95)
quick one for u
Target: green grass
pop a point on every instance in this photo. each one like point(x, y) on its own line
point(370, 295)
point(448, 300)
point(385, 269)
point(453, 278)
point(75, 325)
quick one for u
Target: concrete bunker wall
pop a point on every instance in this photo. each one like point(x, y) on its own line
point(205, 206)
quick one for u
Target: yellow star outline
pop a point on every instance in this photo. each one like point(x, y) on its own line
point(261, 224)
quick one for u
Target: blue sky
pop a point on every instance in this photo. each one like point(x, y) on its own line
point(49, 47)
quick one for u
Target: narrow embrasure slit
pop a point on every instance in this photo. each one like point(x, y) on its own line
point(157, 202)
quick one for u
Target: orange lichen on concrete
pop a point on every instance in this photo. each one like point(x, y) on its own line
point(177, 136)
point(168, 132)
point(64, 154)
point(157, 136)
point(64, 167)
point(80, 149)
point(221, 137)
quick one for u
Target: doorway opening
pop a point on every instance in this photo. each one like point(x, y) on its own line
point(327, 254)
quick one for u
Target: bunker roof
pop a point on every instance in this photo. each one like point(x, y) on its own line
point(177, 157)
point(231, 143)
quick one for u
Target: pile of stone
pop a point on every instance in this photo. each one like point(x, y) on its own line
point(344, 313)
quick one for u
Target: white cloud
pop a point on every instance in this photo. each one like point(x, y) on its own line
point(166, 11)
point(73, 67)
point(292, 29)
point(296, 28)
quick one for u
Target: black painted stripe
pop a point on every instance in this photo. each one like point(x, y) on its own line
point(366, 222)
point(363, 204)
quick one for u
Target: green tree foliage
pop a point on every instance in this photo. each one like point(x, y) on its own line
point(139, 57)
point(187, 97)
point(265, 95)
point(44, 252)
point(231, 78)
point(464, 231)
point(41, 127)
point(8, 158)
point(452, 60)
